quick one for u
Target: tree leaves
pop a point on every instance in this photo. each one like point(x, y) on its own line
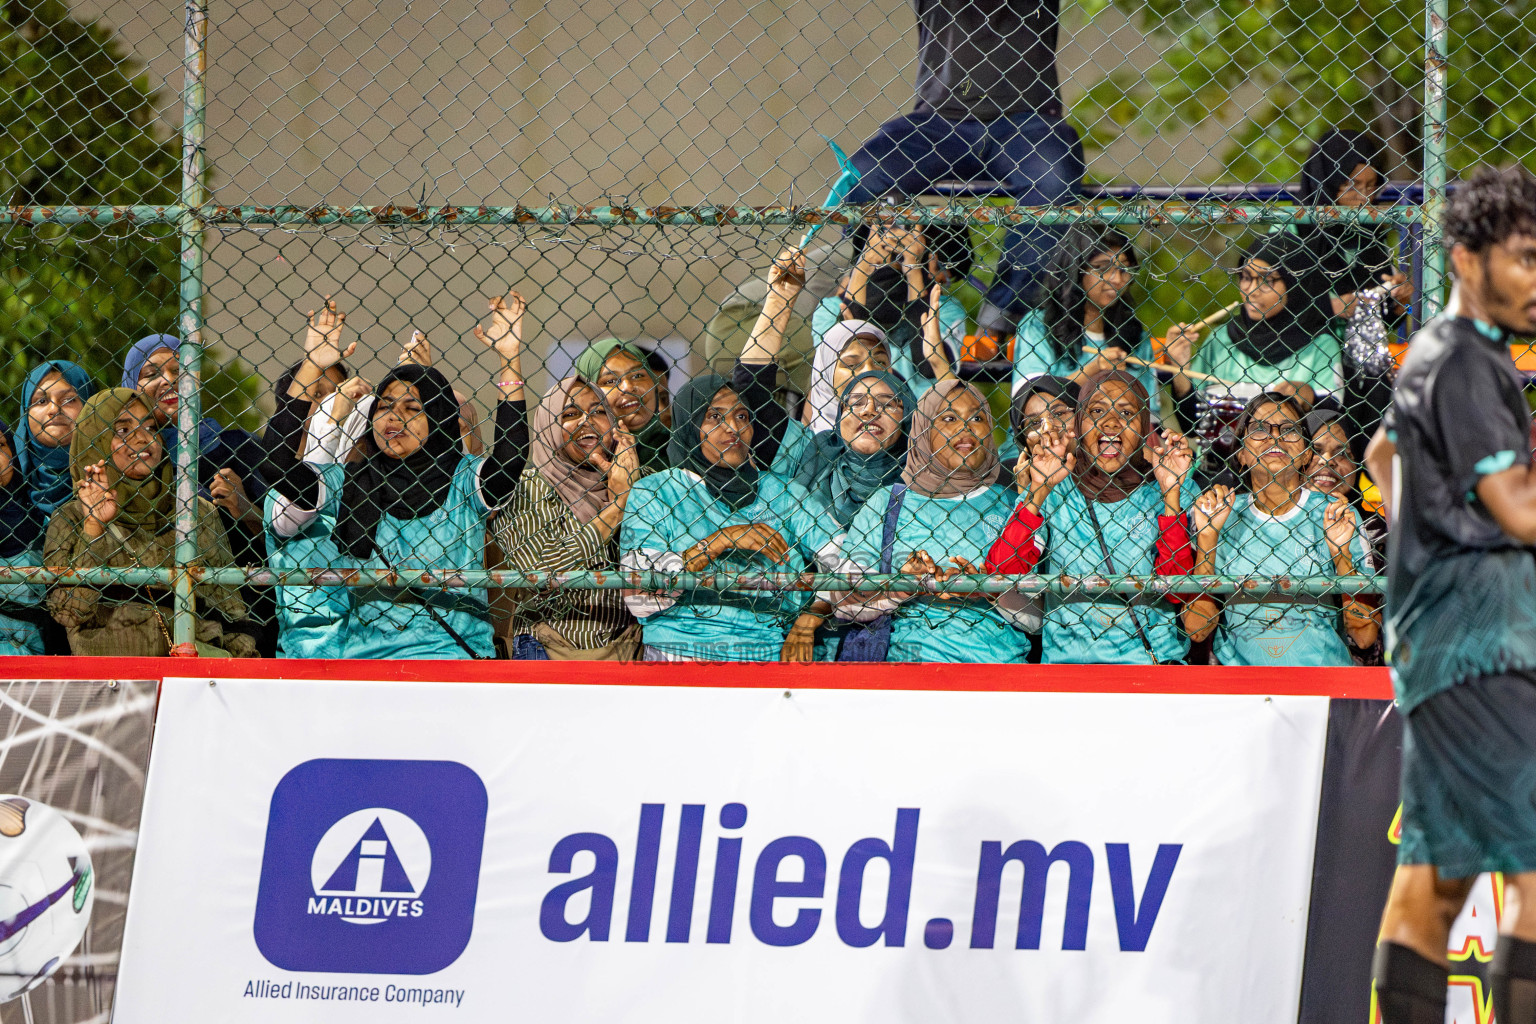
point(1316, 67)
point(77, 127)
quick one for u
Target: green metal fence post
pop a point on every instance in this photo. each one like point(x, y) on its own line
point(1436, 14)
point(189, 411)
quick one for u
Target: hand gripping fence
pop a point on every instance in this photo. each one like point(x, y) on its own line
point(1097, 177)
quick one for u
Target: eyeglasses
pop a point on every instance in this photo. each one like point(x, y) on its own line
point(862, 405)
point(1284, 432)
point(1272, 280)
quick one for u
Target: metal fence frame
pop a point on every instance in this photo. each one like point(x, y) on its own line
point(193, 215)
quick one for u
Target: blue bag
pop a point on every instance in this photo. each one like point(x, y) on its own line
point(871, 641)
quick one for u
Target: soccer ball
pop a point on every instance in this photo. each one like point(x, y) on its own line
point(46, 893)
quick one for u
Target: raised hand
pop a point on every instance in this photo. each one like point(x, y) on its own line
point(1179, 345)
point(228, 492)
point(1339, 525)
point(417, 349)
point(1399, 287)
point(914, 249)
point(786, 276)
point(322, 336)
point(97, 498)
point(1051, 461)
point(505, 335)
point(624, 468)
point(1171, 458)
point(877, 251)
point(1210, 512)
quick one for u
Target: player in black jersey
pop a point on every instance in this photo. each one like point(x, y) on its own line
point(1454, 458)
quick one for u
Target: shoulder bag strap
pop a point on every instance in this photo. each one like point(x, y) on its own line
point(888, 534)
point(1093, 517)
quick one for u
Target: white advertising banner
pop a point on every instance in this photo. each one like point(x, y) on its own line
point(344, 851)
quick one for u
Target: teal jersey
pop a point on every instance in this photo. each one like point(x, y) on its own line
point(1035, 355)
point(16, 635)
point(951, 331)
point(1319, 363)
point(797, 437)
point(1104, 632)
point(925, 628)
point(411, 625)
point(1254, 543)
point(669, 512)
point(311, 621)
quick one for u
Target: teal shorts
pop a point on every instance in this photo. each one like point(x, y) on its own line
point(1469, 778)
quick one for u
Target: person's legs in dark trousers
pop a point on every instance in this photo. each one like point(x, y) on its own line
point(911, 152)
point(1040, 158)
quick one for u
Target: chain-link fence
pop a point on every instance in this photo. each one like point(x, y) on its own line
point(573, 331)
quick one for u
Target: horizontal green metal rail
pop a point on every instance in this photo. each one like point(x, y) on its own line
point(1079, 587)
point(973, 212)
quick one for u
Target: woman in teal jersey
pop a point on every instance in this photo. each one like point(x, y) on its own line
point(1089, 304)
point(843, 468)
point(1109, 505)
point(948, 508)
point(415, 502)
point(1284, 337)
point(717, 508)
point(1278, 528)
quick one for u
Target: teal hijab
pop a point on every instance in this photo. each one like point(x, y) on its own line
point(45, 469)
point(842, 478)
point(652, 440)
point(733, 486)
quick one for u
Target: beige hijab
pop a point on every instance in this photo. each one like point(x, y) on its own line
point(583, 488)
point(924, 473)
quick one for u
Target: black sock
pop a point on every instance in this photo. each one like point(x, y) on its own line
point(1409, 988)
point(1514, 981)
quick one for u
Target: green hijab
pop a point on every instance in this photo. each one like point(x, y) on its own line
point(141, 504)
point(651, 440)
point(736, 487)
point(844, 479)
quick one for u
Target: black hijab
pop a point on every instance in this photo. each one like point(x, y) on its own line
point(734, 486)
point(1065, 298)
point(1057, 387)
point(1354, 255)
point(21, 521)
point(407, 488)
point(1308, 302)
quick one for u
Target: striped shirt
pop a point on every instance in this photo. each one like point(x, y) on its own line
point(538, 532)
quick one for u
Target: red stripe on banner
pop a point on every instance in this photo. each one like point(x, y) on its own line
point(1366, 683)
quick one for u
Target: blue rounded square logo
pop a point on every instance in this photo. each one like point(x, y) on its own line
point(371, 867)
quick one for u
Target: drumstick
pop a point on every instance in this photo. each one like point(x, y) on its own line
point(1220, 316)
point(1166, 368)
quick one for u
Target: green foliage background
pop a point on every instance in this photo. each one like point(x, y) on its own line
point(77, 127)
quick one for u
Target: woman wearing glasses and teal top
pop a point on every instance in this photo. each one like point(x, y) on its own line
point(1278, 528)
point(1089, 304)
point(1284, 337)
point(944, 511)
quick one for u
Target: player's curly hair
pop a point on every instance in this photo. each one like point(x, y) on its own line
point(1494, 205)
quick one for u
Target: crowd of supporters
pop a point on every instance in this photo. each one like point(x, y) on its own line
point(1227, 451)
